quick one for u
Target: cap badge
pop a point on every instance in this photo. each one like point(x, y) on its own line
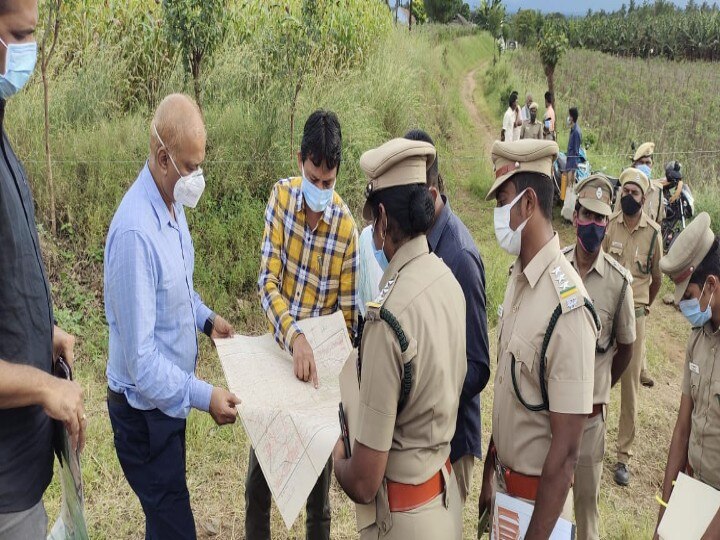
point(598, 193)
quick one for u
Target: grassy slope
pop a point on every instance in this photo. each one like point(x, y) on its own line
point(426, 68)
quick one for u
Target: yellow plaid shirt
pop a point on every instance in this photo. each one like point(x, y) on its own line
point(306, 273)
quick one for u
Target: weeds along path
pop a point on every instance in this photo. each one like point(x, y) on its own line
point(467, 92)
point(626, 513)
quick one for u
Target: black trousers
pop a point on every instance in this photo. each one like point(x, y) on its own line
point(258, 500)
point(151, 448)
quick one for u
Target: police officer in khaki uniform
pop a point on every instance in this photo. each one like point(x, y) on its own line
point(654, 208)
point(693, 263)
point(532, 129)
point(608, 285)
point(412, 363)
point(634, 240)
point(653, 200)
point(543, 394)
point(642, 160)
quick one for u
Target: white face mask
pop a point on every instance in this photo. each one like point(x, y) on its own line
point(507, 238)
point(189, 188)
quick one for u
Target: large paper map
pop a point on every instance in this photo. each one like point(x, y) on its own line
point(292, 425)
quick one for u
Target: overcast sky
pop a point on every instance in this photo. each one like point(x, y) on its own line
point(569, 7)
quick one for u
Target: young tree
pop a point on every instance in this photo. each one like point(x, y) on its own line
point(442, 11)
point(417, 10)
point(48, 41)
point(552, 46)
point(196, 28)
point(490, 16)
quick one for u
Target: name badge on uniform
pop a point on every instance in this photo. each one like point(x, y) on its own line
point(694, 368)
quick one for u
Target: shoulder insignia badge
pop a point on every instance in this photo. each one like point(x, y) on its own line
point(373, 311)
point(567, 292)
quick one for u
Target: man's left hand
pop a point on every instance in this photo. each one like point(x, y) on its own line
point(63, 345)
point(222, 328)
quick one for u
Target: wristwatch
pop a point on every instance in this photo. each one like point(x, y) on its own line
point(209, 325)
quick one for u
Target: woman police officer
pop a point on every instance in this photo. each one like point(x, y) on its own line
point(411, 363)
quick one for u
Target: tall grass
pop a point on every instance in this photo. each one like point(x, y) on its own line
point(405, 81)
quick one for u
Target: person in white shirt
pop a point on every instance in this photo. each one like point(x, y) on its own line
point(511, 120)
point(525, 111)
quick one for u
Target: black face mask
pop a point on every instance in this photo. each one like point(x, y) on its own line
point(630, 206)
point(590, 235)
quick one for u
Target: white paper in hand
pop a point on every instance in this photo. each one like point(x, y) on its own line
point(690, 510)
point(511, 518)
point(292, 426)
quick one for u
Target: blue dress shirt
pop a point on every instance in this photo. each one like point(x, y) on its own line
point(450, 240)
point(151, 306)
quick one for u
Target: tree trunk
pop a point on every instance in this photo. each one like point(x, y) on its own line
point(550, 74)
point(195, 69)
point(48, 160)
point(410, 17)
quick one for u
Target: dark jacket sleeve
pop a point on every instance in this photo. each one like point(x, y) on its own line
point(470, 273)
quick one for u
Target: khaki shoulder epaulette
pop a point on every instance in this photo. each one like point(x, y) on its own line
point(374, 306)
point(627, 276)
point(568, 293)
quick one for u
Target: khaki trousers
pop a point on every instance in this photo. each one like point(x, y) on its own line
point(588, 472)
point(463, 468)
point(440, 518)
point(629, 390)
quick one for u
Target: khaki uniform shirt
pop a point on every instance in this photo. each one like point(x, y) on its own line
point(639, 251)
point(522, 437)
point(604, 283)
point(531, 131)
point(701, 382)
point(653, 206)
point(426, 299)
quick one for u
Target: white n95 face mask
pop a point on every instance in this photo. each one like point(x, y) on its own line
point(189, 188)
point(507, 238)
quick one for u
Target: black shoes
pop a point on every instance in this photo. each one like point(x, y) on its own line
point(622, 474)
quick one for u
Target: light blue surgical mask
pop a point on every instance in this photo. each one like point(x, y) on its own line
point(317, 199)
point(691, 309)
point(380, 256)
point(19, 65)
point(645, 169)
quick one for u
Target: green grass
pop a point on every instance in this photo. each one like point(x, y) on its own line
point(623, 100)
point(409, 81)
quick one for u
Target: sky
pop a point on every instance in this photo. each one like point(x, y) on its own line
point(568, 7)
